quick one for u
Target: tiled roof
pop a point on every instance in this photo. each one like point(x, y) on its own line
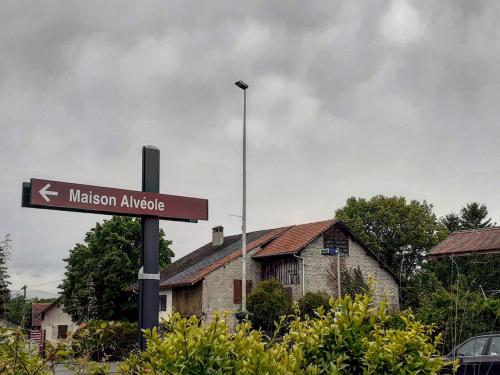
point(196, 265)
point(469, 242)
point(199, 270)
point(295, 238)
point(270, 242)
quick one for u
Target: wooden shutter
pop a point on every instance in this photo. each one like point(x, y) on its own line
point(62, 331)
point(236, 291)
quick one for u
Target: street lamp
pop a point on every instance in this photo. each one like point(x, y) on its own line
point(242, 85)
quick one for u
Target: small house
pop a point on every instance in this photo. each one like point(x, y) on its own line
point(299, 256)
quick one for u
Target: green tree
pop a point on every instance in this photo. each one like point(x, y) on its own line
point(19, 311)
point(400, 232)
point(451, 222)
point(472, 216)
point(5, 247)
point(98, 270)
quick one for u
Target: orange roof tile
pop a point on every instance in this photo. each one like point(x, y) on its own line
point(295, 238)
point(221, 262)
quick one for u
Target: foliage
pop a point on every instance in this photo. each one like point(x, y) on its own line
point(266, 303)
point(353, 282)
point(400, 232)
point(99, 340)
point(459, 313)
point(5, 247)
point(15, 357)
point(471, 270)
point(194, 348)
point(98, 270)
point(350, 337)
point(472, 216)
point(451, 222)
point(19, 311)
point(310, 303)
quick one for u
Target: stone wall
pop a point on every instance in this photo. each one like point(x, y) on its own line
point(385, 284)
point(316, 267)
point(218, 293)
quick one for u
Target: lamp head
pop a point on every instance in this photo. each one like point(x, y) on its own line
point(242, 85)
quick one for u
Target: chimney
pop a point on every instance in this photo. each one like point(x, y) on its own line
point(217, 236)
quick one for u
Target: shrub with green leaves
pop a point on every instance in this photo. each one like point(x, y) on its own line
point(15, 356)
point(310, 303)
point(191, 348)
point(459, 314)
point(351, 336)
point(266, 303)
point(100, 340)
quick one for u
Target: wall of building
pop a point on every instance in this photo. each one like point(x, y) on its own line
point(166, 314)
point(316, 267)
point(385, 284)
point(218, 286)
point(54, 317)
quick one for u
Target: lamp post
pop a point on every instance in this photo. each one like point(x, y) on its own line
point(242, 85)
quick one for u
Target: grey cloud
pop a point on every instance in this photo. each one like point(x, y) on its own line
point(345, 98)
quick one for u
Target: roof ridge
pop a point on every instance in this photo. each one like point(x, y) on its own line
point(475, 230)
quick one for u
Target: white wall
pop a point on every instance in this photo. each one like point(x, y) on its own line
point(54, 317)
point(166, 314)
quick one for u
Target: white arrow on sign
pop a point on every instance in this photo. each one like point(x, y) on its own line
point(45, 192)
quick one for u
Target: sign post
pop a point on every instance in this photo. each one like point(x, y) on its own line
point(149, 277)
point(148, 204)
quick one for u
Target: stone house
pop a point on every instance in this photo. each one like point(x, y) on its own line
point(54, 321)
point(209, 278)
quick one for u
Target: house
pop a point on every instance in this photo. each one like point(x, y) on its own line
point(209, 278)
point(54, 321)
point(484, 241)
point(36, 310)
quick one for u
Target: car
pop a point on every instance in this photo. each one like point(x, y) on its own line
point(479, 355)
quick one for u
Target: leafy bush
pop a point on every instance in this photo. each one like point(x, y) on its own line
point(103, 340)
point(191, 348)
point(311, 302)
point(350, 337)
point(459, 315)
point(354, 283)
point(266, 303)
point(15, 357)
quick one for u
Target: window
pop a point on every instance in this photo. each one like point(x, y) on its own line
point(335, 237)
point(494, 346)
point(472, 347)
point(62, 331)
point(237, 290)
point(163, 302)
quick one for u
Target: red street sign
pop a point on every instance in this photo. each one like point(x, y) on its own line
point(76, 197)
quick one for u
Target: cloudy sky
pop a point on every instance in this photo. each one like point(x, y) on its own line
point(346, 98)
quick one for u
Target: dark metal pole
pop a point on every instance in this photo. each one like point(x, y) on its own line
point(149, 280)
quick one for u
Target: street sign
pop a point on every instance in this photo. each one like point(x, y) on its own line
point(148, 204)
point(104, 200)
point(334, 251)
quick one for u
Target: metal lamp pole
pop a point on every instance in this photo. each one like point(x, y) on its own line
point(242, 85)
